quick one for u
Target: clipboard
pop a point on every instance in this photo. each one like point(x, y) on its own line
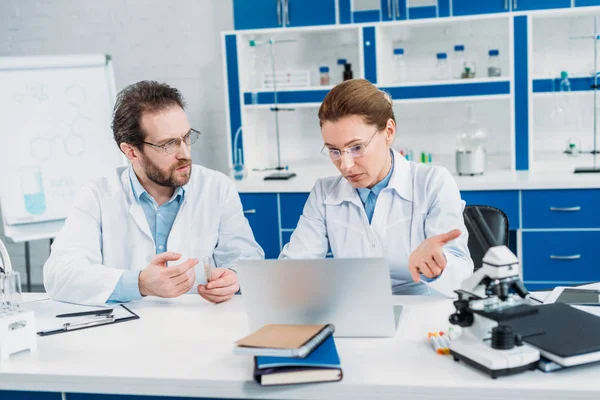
point(49, 320)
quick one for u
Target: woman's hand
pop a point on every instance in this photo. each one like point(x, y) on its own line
point(429, 259)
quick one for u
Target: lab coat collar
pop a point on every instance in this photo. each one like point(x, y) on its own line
point(401, 181)
point(135, 209)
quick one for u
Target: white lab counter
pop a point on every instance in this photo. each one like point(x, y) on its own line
point(308, 173)
point(183, 347)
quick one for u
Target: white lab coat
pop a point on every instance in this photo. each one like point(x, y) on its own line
point(419, 202)
point(107, 233)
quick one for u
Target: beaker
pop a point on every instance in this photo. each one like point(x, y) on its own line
point(10, 291)
point(33, 190)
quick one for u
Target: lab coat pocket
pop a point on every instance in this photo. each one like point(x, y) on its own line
point(347, 241)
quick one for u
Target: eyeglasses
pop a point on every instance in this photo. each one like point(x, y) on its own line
point(173, 145)
point(355, 151)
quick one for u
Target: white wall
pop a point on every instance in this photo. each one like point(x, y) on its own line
point(175, 41)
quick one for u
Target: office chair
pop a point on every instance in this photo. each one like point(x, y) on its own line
point(487, 227)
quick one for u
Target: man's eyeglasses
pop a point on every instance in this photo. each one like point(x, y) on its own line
point(355, 151)
point(173, 145)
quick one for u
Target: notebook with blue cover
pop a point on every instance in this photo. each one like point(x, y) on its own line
point(322, 365)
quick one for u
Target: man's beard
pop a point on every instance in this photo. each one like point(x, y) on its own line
point(166, 179)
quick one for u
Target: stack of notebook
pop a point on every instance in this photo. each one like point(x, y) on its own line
point(286, 354)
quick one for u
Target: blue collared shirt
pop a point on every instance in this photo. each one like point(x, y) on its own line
point(160, 220)
point(369, 196)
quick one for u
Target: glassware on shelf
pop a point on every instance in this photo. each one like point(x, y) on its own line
point(565, 85)
point(442, 69)
point(400, 71)
point(324, 75)
point(573, 147)
point(348, 72)
point(471, 146)
point(566, 113)
point(339, 76)
point(458, 61)
point(494, 69)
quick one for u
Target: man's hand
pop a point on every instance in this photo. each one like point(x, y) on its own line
point(222, 286)
point(162, 281)
point(429, 259)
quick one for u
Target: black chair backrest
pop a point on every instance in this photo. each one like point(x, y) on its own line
point(487, 227)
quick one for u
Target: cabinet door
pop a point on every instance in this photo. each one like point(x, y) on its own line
point(561, 209)
point(309, 12)
point(561, 257)
point(388, 10)
point(256, 14)
point(261, 211)
point(585, 3)
point(527, 5)
point(470, 7)
point(393, 10)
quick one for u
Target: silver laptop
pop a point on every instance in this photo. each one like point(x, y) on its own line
point(353, 294)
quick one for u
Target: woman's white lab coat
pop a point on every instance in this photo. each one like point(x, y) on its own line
point(107, 233)
point(419, 202)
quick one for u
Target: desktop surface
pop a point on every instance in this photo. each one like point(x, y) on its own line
point(183, 347)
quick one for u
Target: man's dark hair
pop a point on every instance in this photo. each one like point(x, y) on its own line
point(135, 100)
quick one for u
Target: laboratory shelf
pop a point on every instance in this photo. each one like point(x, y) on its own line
point(433, 90)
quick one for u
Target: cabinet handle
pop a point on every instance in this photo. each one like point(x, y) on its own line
point(389, 9)
point(571, 209)
point(515, 6)
point(397, 9)
point(253, 211)
point(573, 257)
point(279, 12)
point(506, 4)
point(286, 10)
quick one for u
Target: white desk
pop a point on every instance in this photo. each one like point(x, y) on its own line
point(183, 347)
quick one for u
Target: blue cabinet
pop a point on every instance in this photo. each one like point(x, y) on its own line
point(585, 3)
point(309, 12)
point(20, 395)
point(470, 7)
point(256, 14)
point(528, 5)
point(560, 257)
point(552, 209)
point(393, 10)
point(261, 211)
point(372, 11)
point(285, 237)
point(291, 205)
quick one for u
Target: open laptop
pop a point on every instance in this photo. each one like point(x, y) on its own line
point(355, 295)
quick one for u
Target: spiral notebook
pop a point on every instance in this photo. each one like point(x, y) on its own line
point(278, 340)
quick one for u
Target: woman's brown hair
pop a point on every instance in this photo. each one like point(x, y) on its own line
point(357, 97)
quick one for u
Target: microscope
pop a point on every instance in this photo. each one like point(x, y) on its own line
point(17, 326)
point(490, 297)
